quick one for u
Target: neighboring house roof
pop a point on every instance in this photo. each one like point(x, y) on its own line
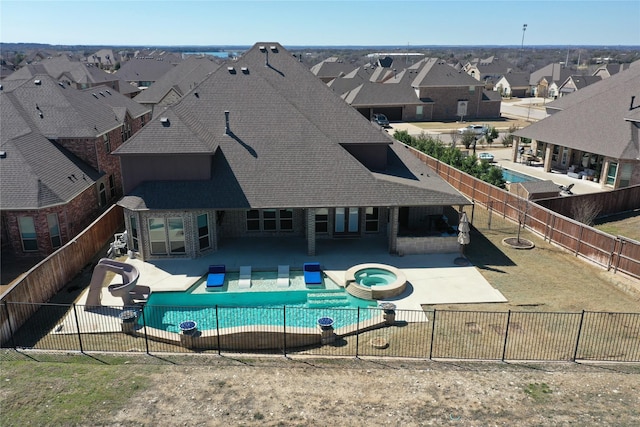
point(286, 145)
point(595, 119)
point(181, 78)
point(395, 91)
point(490, 68)
point(331, 68)
point(105, 57)
point(517, 80)
point(35, 172)
point(436, 72)
point(579, 82)
point(552, 73)
point(609, 70)
point(64, 69)
point(58, 111)
point(145, 68)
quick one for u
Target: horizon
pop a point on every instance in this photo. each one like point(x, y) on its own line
point(320, 23)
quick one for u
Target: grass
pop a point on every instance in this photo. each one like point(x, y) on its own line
point(539, 392)
point(67, 393)
point(627, 225)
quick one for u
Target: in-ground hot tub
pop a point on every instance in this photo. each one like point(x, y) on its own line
point(374, 281)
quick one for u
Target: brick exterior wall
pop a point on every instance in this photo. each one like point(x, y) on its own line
point(427, 245)
point(72, 219)
point(446, 99)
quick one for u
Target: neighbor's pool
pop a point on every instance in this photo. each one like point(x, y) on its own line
point(226, 309)
point(374, 276)
point(513, 176)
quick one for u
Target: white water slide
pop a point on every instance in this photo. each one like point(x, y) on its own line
point(126, 290)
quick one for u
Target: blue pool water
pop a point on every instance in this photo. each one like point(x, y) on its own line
point(233, 308)
point(513, 176)
point(374, 276)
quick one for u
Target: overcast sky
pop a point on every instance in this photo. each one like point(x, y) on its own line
point(324, 23)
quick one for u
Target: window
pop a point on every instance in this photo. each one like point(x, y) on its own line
point(625, 174)
point(125, 131)
point(322, 220)
point(134, 232)
point(54, 230)
point(107, 143)
point(419, 111)
point(112, 186)
point(270, 220)
point(203, 231)
point(142, 120)
point(176, 236)
point(28, 234)
point(611, 173)
point(371, 220)
point(157, 236)
point(347, 221)
point(102, 192)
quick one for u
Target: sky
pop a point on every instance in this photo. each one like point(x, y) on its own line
point(322, 23)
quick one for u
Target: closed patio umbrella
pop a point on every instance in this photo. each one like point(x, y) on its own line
point(463, 231)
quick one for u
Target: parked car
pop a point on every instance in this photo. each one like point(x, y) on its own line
point(474, 129)
point(486, 156)
point(380, 119)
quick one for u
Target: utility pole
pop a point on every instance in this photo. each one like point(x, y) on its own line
point(524, 28)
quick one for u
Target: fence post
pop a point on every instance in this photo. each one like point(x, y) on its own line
point(75, 312)
point(218, 330)
point(490, 214)
point(506, 335)
point(284, 329)
point(433, 328)
point(622, 242)
point(575, 351)
point(613, 250)
point(473, 210)
point(579, 239)
point(357, 332)
point(13, 341)
point(144, 328)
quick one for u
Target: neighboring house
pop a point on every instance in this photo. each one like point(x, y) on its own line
point(574, 83)
point(430, 90)
point(488, 71)
point(545, 82)
point(513, 85)
point(75, 73)
point(104, 58)
point(331, 68)
point(56, 169)
point(609, 70)
point(593, 133)
point(143, 71)
point(262, 148)
point(177, 82)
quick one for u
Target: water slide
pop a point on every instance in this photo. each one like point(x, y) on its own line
point(125, 290)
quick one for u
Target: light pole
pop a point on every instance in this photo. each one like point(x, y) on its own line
point(524, 28)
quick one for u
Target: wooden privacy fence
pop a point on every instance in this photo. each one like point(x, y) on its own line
point(611, 252)
point(49, 276)
point(609, 202)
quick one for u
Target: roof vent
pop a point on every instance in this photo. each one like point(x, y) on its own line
point(245, 70)
point(108, 91)
point(231, 70)
point(274, 48)
point(61, 85)
point(94, 95)
point(262, 49)
point(3, 154)
point(227, 129)
point(101, 93)
point(38, 82)
point(164, 121)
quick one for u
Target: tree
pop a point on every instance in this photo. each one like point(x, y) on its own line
point(468, 138)
point(585, 210)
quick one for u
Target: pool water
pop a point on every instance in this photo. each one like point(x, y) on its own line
point(262, 304)
point(374, 276)
point(513, 176)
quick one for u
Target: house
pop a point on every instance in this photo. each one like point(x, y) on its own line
point(56, 169)
point(75, 73)
point(104, 58)
point(143, 71)
point(489, 70)
point(514, 85)
point(262, 148)
point(177, 82)
point(593, 133)
point(331, 68)
point(429, 90)
point(608, 70)
point(546, 81)
point(574, 83)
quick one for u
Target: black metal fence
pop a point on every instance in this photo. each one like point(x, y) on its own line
point(436, 334)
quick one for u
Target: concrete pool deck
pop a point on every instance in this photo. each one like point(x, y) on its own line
point(433, 278)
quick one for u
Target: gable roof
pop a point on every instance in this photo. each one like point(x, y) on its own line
point(181, 78)
point(553, 73)
point(285, 146)
point(595, 119)
point(331, 68)
point(145, 68)
point(436, 72)
point(517, 79)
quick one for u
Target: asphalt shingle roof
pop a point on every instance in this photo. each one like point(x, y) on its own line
point(286, 145)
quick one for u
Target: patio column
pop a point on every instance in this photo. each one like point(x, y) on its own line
point(311, 231)
point(514, 149)
point(548, 154)
point(393, 229)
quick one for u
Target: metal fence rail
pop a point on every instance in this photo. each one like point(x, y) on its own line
point(436, 334)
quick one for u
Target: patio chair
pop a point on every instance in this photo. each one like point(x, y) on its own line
point(312, 273)
point(244, 281)
point(215, 278)
point(283, 276)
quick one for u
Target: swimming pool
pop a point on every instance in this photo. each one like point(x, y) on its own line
point(235, 308)
point(513, 176)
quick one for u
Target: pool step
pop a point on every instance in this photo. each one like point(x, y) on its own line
point(327, 299)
